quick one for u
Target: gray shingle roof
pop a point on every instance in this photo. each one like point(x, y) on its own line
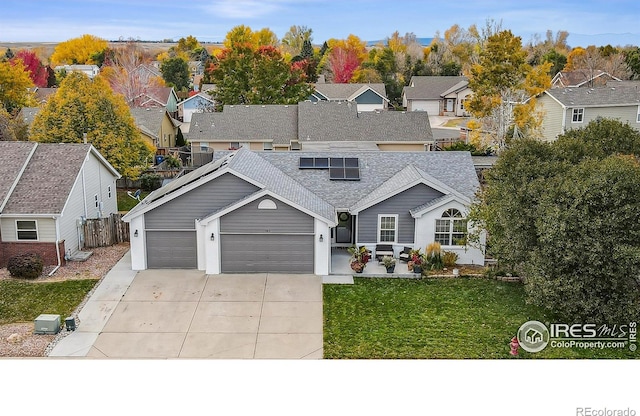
point(29, 114)
point(149, 119)
point(323, 121)
point(338, 121)
point(430, 87)
point(597, 97)
point(381, 174)
point(346, 91)
point(47, 179)
point(13, 156)
point(237, 123)
point(454, 169)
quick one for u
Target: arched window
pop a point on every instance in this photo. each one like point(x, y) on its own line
point(451, 229)
point(267, 204)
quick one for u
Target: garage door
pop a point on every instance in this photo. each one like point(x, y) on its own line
point(171, 250)
point(262, 253)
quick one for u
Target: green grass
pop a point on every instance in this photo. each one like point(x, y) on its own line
point(433, 318)
point(125, 202)
point(24, 301)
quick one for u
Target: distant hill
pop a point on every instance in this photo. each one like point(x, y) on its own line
point(421, 41)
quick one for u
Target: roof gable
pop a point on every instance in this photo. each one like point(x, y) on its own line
point(46, 181)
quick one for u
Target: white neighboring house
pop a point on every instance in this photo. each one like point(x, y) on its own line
point(47, 191)
point(198, 103)
point(90, 70)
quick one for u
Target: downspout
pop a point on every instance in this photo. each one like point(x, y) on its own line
point(55, 269)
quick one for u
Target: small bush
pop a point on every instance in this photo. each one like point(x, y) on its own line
point(449, 258)
point(150, 181)
point(434, 256)
point(25, 266)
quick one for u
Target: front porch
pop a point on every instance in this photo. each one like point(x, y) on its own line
point(340, 266)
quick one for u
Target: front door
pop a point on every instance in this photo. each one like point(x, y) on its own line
point(343, 233)
point(450, 104)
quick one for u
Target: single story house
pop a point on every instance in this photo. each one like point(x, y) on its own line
point(437, 95)
point(368, 97)
point(321, 125)
point(47, 191)
point(156, 125)
point(283, 212)
point(89, 70)
point(571, 108)
point(197, 103)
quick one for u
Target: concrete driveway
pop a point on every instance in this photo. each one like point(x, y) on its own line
point(186, 314)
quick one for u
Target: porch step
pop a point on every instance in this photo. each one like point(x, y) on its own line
point(337, 279)
point(80, 255)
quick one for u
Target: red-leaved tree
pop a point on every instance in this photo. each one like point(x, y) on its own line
point(343, 63)
point(37, 71)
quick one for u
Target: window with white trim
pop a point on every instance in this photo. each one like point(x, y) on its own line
point(638, 116)
point(204, 147)
point(267, 146)
point(109, 191)
point(577, 115)
point(27, 230)
point(95, 200)
point(451, 229)
point(234, 145)
point(387, 228)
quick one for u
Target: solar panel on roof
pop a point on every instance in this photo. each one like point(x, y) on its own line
point(344, 169)
point(306, 163)
point(351, 162)
point(321, 162)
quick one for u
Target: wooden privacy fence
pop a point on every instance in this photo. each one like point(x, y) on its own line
point(103, 232)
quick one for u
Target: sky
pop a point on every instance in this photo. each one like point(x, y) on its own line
point(588, 22)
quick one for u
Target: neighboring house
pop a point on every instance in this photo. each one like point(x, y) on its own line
point(321, 125)
point(198, 103)
point(571, 108)
point(47, 190)
point(368, 97)
point(284, 211)
point(28, 114)
point(196, 68)
point(582, 78)
point(89, 70)
point(42, 94)
point(443, 96)
point(158, 97)
point(156, 125)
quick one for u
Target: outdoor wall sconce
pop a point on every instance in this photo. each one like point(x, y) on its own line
point(213, 237)
point(321, 239)
point(135, 234)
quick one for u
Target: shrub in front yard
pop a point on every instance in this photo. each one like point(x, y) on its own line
point(25, 266)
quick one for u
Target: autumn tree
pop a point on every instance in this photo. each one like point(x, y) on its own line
point(127, 75)
point(12, 127)
point(245, 74)
point(175, 72)
point(37, 71)
point(504, 88)
point(632, 59)
point(86, 49)
point(15, 84)
point(295, 38)
point(89, 107)
point(343, 58)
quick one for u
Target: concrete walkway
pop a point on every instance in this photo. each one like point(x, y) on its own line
point(186, 314)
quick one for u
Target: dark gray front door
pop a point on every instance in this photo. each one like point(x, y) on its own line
point(263, 253)
point(171, 250)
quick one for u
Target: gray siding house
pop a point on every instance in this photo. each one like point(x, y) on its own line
point(437, 95)
point(368, 97)
point(284, 211)
point(46, 192)
point(572, 108)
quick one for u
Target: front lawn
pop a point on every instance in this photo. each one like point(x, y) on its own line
point(22, 301)
point(433, 318)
